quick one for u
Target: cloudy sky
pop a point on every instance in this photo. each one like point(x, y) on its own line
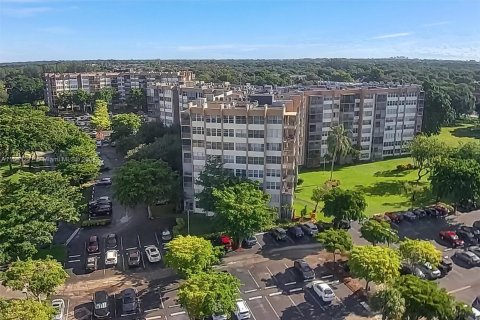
point(225, 29)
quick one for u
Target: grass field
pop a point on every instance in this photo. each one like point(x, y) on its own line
point(461, 133)
point(56, 251)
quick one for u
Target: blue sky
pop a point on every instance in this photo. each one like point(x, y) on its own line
point(227, 29)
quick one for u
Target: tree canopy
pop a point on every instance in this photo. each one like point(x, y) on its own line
point(146, 181)
point(419, 252)
point(101, 118)
point(242, 209)
point(16, 309)
point(344, 204)
point(335, 240)
point(377, 232)
point(339, 144)
point(209, 293)
point(390, 302)
point(425, 150)
point(167, 148)
point(437, 110)
point(189, 255)
point(124, 124)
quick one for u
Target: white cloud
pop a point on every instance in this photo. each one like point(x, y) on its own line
point(25, 12)
point(435, 24)
point(392, 35)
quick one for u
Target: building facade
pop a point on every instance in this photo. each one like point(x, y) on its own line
point(259, 142)
point(381, 121)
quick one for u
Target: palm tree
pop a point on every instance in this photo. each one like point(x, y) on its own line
point(339, 144)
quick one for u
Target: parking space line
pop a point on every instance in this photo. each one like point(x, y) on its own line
point(174, 306)
point(151, 310)
point(315, 299)
point(327, 277)
point(177, 313)
point(295, 290)
point(255, 298)
point(294, 304)
point(270, 287)
point(131, 248)
point(115, 305)
point(253, 278)
point(290, 283)
point(155, 317)
point(68, 306)
point(123, 258)
point(272, 308)
point(72, 261)
point(286, 266)
point(75, 256)
point(250, 291)
point(161, 302)
point(156, 238)
point(275, 293)
point(459, 289)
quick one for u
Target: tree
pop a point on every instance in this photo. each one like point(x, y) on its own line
point(389, 302)
point(125, 124)
point(456, 180)
point(150, 131)
point(146, 181)
point(3, 93)
point(189, 255)
point(137, 99)
point(213, 175)
point(167, 148)
point(242, 209)
point(104, 94)
point(206, 294)
point(374, 264)
point(419, 252)
point(424, 299)
point(344, 204)
point(23, 89)
point(437, 110)
point(38, 277)
point(318, 193)
point(378, 232)
point(462, 99)
point(335, 240)
point(101, 119)
point(25, 309)
point(338, 143)
point(425, 150)
point(64, 99)
point(81, 98)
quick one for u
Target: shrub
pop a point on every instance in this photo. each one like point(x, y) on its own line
point(95, 223)
point(410, 166)
point(299, 181)
point(402, 167)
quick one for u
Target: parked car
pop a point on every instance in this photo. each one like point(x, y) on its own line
point(92, 244)
point(474, 249)
point(472, 230)
point(153, 254)
point(111, 258)
point(342, 224)
point(99, 143)
point(129, 301)
point(381, 217)
point(166, 235)
point(441, 211)
point(226, 242)
point(323, 226)
point(420, 213)
point(431, 212)
point(111, 241)
point(476, 303)
point(309, 228)
point(395, 217)
point(101, 210)
point(249, 242)
point(409, 216)
point(101, 305)
point(468, 237)
point(279, 234)
point(101, 201)
point(468, 257)
point(476, 224)
point(429, 272)
point(219, 317)
point(445, 266)
point(242, 311)
point(296, 232)
point(133, 257)
point(304, 270)
point(451, 238)
point(104, 181)
point(91, 264)
point(59, 306)
point(323, 290)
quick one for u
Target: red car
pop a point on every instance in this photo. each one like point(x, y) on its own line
point(92, 244)
point(226, 242)
point(452, 238)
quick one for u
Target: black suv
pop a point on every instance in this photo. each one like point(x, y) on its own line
point(468, 237)
point(279, 234)
point(129, 301)
point(304, 270)
point(101, 308)
point(296, 232)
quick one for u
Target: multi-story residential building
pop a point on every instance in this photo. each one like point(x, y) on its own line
point(122, 82)
point(260, 142)
point(382, 120)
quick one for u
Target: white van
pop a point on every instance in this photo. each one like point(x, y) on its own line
point(476, 314)
point(242, 311)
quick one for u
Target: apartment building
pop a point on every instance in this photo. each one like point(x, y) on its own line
point(381, 119)
point(257, 141)
point(122, 82)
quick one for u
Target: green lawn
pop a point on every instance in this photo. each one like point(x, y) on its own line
point(381, 183)
point(460, 133)
point(57, 251)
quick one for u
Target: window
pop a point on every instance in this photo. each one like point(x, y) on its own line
point(213, 119)
point(198, 143)
point(214, 145)
point(240, 119)
point(228, 159)
point(198, 156)
point(255, 133)
point(255, 173)
point(187, 157)
point(241, 160)
point(228, 119)
point(241, 173)
point(256, 147)
point(255, 160)
point(241, 146)
point(274, 160)
point(275, 198)
point(274, 146)
point(197, 117)
point(274, 119)
point(256, 120)
point(366, 122)
point(274, 173)
point(274, 133)
point(241, 133)
point(367, 113)
point(228, 132)
point(272, 185)
point(228, 146)
point(214, 132)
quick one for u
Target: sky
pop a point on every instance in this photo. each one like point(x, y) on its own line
point(32, 30)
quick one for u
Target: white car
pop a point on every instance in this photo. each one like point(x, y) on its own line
point(99, 143)
point(153, 254)
point(242, 311)
point(104, 182)
point(59, 306)
point(111, 258)
point(323, 290)
point(219, 317)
